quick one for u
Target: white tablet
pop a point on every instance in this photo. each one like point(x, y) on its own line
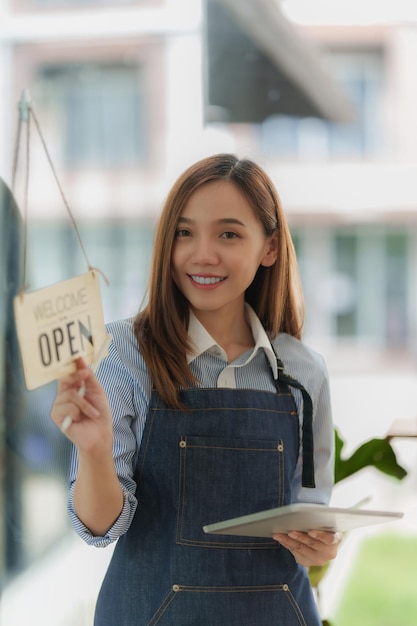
point(303, 517)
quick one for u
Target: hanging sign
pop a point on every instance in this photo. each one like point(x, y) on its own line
point(58, 324)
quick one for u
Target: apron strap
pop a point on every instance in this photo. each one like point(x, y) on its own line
point(307, 429)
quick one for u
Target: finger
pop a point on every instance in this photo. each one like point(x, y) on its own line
point(320, 541)
point(329, 538)
point(295, 541)
point(287, 542)
point(301, 553)
point(64, 415)
point(75, 417)
point(88, 409)
point(83, 381)
point(75, 379)
point(307, 550)
point(72, 404)
point(77, 407)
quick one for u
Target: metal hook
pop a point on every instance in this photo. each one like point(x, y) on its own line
point(24, 105)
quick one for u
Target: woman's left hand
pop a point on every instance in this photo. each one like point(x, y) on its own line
point(316, 547)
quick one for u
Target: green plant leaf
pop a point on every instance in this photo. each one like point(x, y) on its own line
point(375, 452)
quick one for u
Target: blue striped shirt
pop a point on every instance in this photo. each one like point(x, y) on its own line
point(127, 383)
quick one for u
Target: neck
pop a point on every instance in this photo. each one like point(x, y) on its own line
point(230, 330)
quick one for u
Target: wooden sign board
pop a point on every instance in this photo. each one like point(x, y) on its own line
point(57, 324)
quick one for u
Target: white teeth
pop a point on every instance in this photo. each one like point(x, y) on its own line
point(211, 280)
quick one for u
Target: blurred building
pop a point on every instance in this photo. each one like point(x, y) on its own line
point(351, 194)
point(129, 93)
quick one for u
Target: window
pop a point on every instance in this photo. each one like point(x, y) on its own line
point(357, 283)
point(396, 247)
point(101, 110)
point(360, 74)
point(345, 279)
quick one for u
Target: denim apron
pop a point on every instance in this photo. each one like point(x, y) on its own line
point(233, 453)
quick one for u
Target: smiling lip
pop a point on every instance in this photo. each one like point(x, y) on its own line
point(206, 281)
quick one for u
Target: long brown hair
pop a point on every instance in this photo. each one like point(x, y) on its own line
point(275, 293)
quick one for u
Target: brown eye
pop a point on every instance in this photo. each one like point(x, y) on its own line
point(228, 234)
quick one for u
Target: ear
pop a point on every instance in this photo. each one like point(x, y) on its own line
point(271, 251)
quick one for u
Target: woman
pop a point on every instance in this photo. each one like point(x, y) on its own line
point(206, 408)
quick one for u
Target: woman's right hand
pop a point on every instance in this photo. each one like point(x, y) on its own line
point(98, 495)
point(90, 429)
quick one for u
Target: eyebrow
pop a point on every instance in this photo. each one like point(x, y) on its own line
point(223, 220)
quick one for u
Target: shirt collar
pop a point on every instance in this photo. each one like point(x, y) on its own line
point(202, 341)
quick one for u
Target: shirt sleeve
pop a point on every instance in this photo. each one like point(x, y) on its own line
point(119, 527)
point(126, 382)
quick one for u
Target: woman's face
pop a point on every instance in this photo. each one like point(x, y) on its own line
point(219, 245)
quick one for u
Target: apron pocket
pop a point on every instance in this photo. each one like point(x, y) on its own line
point(224, 478)
point(234, 606)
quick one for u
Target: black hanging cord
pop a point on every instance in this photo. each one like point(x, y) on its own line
point(308, 479)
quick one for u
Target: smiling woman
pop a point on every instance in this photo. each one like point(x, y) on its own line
point(259, 249)
point(208, 259)
point(191, 418)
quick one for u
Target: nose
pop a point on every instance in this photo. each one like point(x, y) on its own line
point(205, 251)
